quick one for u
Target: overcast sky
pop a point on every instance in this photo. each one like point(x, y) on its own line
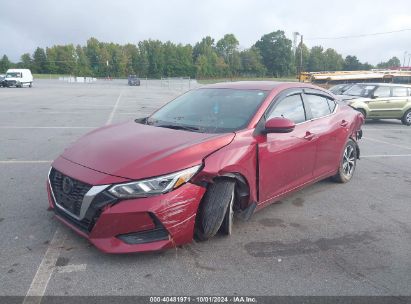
point(26, 24)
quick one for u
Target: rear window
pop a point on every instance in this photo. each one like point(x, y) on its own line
point(319, 105)
point(399, 92)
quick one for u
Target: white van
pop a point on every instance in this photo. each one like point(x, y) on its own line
point(18, 78)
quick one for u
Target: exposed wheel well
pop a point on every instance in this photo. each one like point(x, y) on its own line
point(362, 111)
point(242, 189)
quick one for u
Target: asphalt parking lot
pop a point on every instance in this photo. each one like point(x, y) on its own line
point(328, 239)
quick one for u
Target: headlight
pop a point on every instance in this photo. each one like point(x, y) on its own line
point(153, 186)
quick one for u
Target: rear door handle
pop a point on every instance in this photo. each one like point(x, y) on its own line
point(344, 123)
point(309, 135)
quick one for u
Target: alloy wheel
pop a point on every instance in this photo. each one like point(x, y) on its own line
point(348, 162)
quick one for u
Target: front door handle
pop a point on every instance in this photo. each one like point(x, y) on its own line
point(309, 135)
point(344, 123)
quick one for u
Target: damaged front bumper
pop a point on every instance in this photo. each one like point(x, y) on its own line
point(133, 225)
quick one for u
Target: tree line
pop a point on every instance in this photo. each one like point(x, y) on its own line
point(271, 56)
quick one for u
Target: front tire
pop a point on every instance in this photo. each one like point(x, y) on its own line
point(406, 119)
point(213, 209)
point(347, 164)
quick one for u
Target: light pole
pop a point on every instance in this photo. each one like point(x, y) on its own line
point(301, 58)
point(403, 61)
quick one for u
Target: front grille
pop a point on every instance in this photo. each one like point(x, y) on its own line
point(72, 202)
point(68, 197)
point(10, 82)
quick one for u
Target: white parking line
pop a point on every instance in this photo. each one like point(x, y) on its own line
point(50, 112)
point(27, 127)
point(385, 155)
point(110, 118)
point(25, 161)
point(71, 268)
point(387, 143)
point(41, 279)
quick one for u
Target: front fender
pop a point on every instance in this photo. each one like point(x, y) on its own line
point(238, 158)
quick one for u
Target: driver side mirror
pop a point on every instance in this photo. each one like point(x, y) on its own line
point(279, 125)
point(374, 96)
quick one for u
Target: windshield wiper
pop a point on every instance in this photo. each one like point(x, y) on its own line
point(180, 127)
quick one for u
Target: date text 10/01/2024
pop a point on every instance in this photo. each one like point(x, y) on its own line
point(203, 299)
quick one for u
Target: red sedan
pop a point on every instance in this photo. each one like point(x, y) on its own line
point(157, 182)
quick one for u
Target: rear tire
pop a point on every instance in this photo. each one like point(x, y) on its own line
point(347, 164)
point(406, 119)
point(30, 85)
point(213, 208)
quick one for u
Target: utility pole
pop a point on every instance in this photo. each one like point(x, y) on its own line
point(295, 35)
point(301, 59)
point(403, 61)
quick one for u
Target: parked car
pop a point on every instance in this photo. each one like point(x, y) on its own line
point(18, 78)
point(155, 182)
point(133, 80)
point(381, 101)
point(2, 78)
point(340, 88)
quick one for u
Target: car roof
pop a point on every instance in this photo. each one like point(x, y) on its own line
point(385, 84)
point(258, 85)
point(17, 70)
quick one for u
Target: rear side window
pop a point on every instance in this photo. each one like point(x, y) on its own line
point(319, 105)
point(383, 92)
point(399, 92)
point(331, 104)
point(290, 107)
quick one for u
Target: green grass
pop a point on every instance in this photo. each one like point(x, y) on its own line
point(215, 80)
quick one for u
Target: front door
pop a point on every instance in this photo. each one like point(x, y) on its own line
point(286, 160)
point(380, 105)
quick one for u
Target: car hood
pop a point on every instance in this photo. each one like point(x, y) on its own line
point(135, 151)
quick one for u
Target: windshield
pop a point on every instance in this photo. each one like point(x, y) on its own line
point(340, 88)
point(13, 75)
point(361, 90)
point(210, 110)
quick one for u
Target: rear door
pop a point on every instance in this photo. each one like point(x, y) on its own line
point(330, 129)
point(398, 101)
point(286, 160)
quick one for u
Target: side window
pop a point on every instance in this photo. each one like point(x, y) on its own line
point(331, 104)
point(399, 92)
point(382, 92)
point(319, 105)
point(290, 107)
